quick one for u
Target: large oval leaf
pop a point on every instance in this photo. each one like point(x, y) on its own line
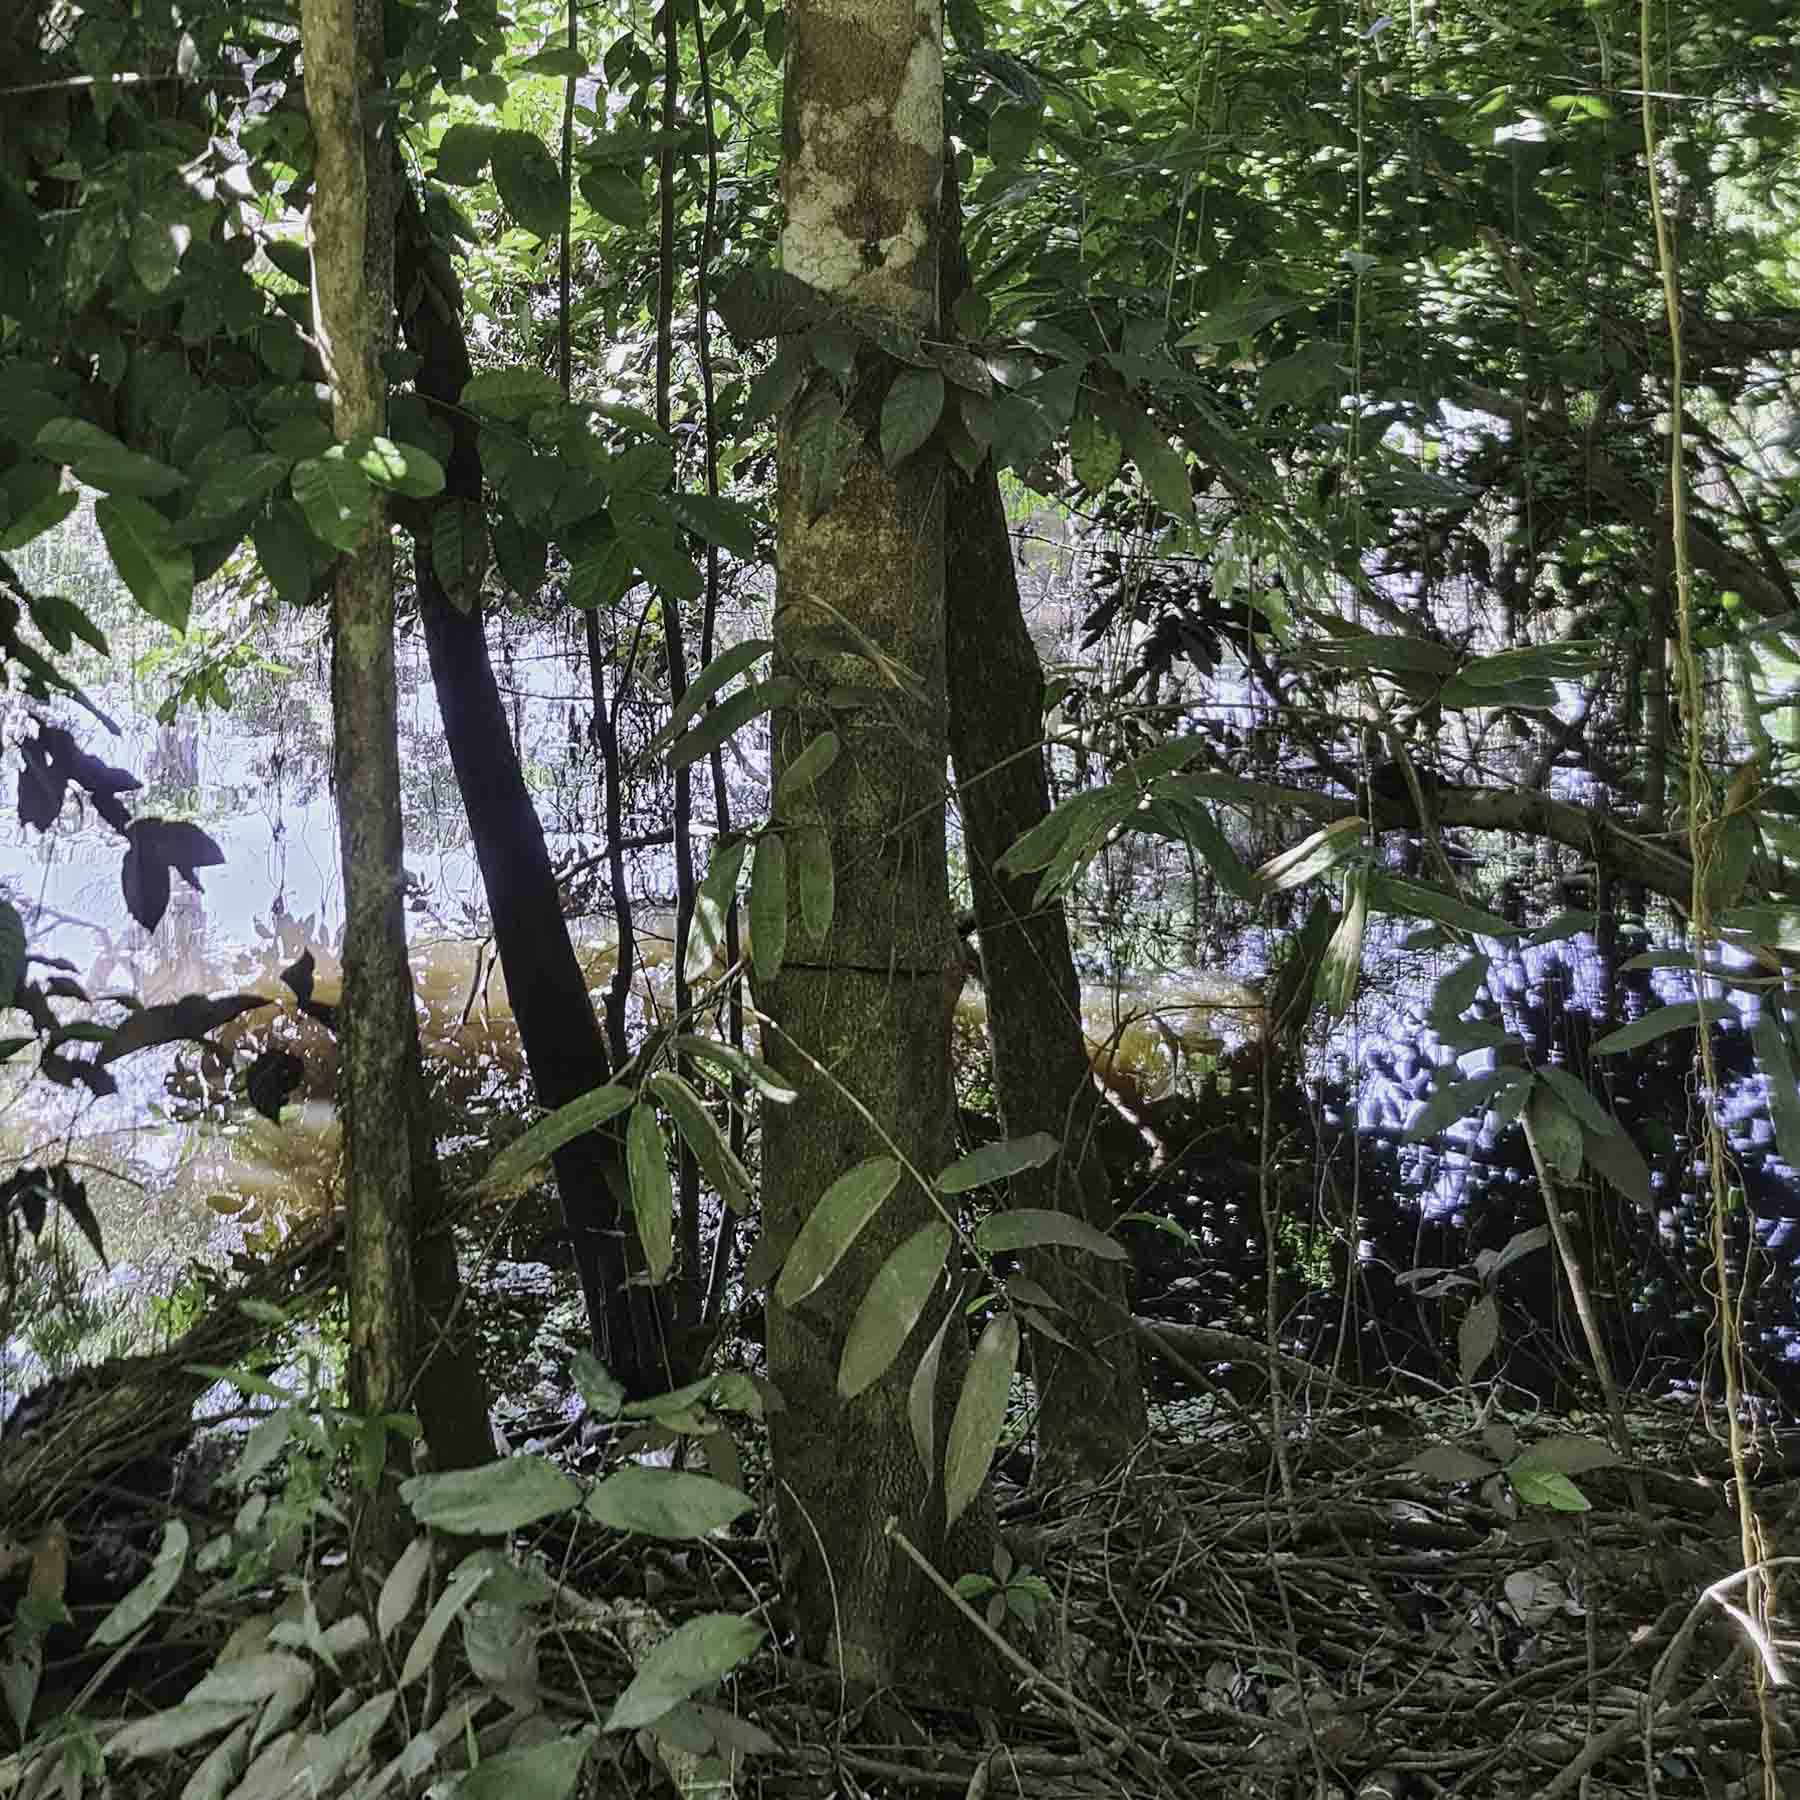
point(832, 1226)
point(730, 1179)
point(691, 1657)
point(1039, 1228)
point(158, 570)
point(891, 1308)
point(551, 1132)
point(921, 1398)
point(910, 413)
point(818, 889)
point(1683, 1016)
point(994, 1162)
point(139, 1606)
point(652, 1195)
point(768, 906)
point(495, 1498)
point(980, 1414)
point(665, 1503)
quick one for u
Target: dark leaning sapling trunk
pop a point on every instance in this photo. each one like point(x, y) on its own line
point(1090, 1392)
point(558, 1031)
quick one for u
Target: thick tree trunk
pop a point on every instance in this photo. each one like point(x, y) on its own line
point(377, 1027)
point(558, 1030)
point(1090, 1392)
point(865, 1012)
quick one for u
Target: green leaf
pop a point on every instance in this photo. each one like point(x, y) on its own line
point(751, 1070)
point(1011, 132)
point(401, 468)
point(1557, 1132)
point(44, 516)
point(806, 768)
point(690, 1658)
point(496, 1498)
point(980, 1414)
point(1163, 467)
point(400, 1591)
point(995, 1162)
point(615, 194)
point(1313, 856)
point(462, 155)
point(652, 1195)
point(529, 183)
point(1573, 1454)
point(1240, 319)
point(665, 1503)
point(712, 907)
point(1420, 900)
point(833, 1225)
point(158, 570)
point(470, 1576)
point(656, 550)
point(158, 244)
point(822, 445)
point(1565, 661)
point(1340, 967)
point(603, 577)
point(1383, 653)
point(1478, 1337)
point(725, 667)
point(1459, 1100)
point(459, 550)
point(560, 61)
point(140, 1605)
point(898, 1295)
point(1576, 1096)
point(240, 483)
point(1312, 370)
point(99, 460)
point(576, 1119)
point(284, 550)
point(834, 350)
point(336, 497)
point(1450, 1462)
point(1541, 1487)
point(1095, 450)
point(921, 1397)
point(1041, 1228)
point(768, 906)
point(1659, 1023)
point(1616, 1157)
point(730, 1179)
point(510, 393)
point(545, 1770)
point(811, 855)
point(520, 553)
point(910, 413)
point(176, 1728)
point(1455, 992)
point(728, 523)
point(733, 714)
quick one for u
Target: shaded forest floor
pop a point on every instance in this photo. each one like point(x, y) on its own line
point(1211, 1621)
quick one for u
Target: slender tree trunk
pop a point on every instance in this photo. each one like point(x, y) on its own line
point(558, 1031)
point(1090, 1391)
point(388, 1150)
point(868, 1008)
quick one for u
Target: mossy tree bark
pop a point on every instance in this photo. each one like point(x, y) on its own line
point(386, 1137)
point(865, 1011)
